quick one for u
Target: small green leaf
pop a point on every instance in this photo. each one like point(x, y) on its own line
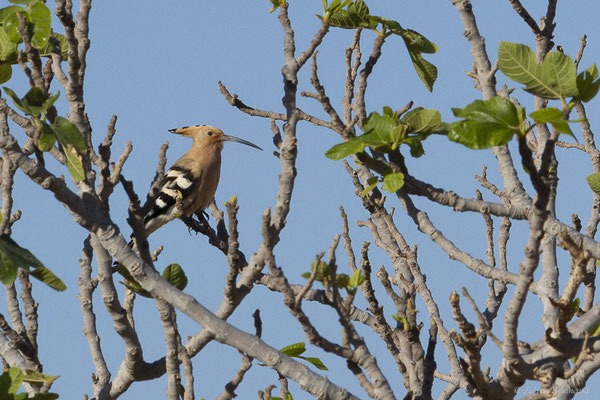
point(48, 277)
point(426, 71)
point(294, 350)
point(47, 138)
point(393, 181)
point(588, 84)
point(372, 185)
point(73, 164)
point(276, 4)
point(49, 102)
point(12, 257)
point(421, 120)
point(554, 117)
point(305, 275)
point(356, 279)
point(18, 103)
point(68, 133)
point(403, 321)
point(573, 308)
point(341, 150)
point(34, 376)
point(5, 72)
point(41, 19)
point(486, 123)
point(175, 276)
point(342, 280)
point(594, 182)
point(130, 282)
point(316, 362)
point(34, 99)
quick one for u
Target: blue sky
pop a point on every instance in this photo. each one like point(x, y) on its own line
point(156, 66)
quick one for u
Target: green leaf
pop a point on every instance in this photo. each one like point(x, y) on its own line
point(8, 49)
point(393, 181)
point(588, 84)
point(130, 282)
point(294, 350)
point(48, 277)
point(573, 308)
point(49, 48)
point(316, 362)
point(421, 120)
point(18, 103)
point(372, 185)
point(486, 123)
point(341, 150)
point(49, 102)
point(342, 280)
point(11, 26)
point(554, 79)
point(594, 182)
point(305, 275)
point(24, 2)
point(68, 133)
point(175, 276)
point(47, 138)
point(42, 396)
point(34, 376)
point(553, 116)
point(276, 4)
point(16, 379)
point(356, 15)
point(417, 44)
point(323, 272)
point(12, 257)
point(73, 164)
point(8, 12)
point(33, 100)
point(5, 72)
point(41, 19)
point(356, 279)
point(403, 321)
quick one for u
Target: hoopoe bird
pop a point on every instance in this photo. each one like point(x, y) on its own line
point(193, 178)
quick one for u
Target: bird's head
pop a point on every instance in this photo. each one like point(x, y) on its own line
point(206, 135)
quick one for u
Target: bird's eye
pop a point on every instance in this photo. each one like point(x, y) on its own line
point(209, 133)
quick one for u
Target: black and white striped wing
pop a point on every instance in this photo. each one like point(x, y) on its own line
point(178, 182)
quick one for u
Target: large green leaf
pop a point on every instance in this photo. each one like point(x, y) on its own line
point(41, 19)
point(175, 276)
point(554, 79)
point(486, 123)
point(68, 134)
point(8, 12)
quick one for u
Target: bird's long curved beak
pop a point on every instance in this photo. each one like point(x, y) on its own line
point(228, 138)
